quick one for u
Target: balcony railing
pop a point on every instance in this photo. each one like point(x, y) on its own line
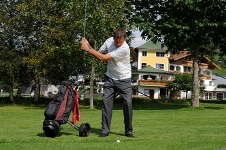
point(205, 76)
point(153, 82)
point(187, 63)
point(174, 71)
point(190, 64)
point(203, 65)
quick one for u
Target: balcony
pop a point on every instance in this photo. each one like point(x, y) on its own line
point(187, 63)
point(175, 72)
point(205, 76)
point(153, 82)
point(203, 65)
point(190, 64)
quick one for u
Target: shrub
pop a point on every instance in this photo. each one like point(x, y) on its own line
point(221, 86)
point(43, 101)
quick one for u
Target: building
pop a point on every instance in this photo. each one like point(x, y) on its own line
point(182, 63)
point(151, 82)
point(153, 66)
point(150, 70)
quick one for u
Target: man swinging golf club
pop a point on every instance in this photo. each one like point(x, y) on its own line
point(116, 52)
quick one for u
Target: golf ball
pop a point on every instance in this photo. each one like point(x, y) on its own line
point(118, 141)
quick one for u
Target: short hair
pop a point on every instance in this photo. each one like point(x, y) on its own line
point(119, 33)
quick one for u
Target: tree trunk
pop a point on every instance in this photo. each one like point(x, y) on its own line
point(37, 88)
point(19, 91)
point(91, 82)
point(11, 93)
point(91, 87)
point(11, 86)
point(37, 92)
point(195, 75)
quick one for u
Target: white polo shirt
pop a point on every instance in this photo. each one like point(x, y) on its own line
point(118, 68)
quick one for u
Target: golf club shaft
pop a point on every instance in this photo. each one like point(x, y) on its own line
point(84, 30)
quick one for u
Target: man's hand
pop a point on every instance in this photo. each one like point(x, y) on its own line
point(85, 40)
point(84, 44)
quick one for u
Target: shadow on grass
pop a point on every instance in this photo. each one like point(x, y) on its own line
point(145, 104)
point(214, 108)
point(176, 105)
point(213, 101)
point(41, 134)
point(94, 131)
point(148, 106)
point(138, 104)
point(97, 132)
point(60, 133)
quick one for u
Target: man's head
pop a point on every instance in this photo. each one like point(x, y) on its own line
point(119, 37)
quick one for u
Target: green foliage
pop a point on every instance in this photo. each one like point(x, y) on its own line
point(183, 24)
point(10, 45)
point(170, 85)
point(221, 86)
point(42, 38)
point(181, 82)
point(202, 88)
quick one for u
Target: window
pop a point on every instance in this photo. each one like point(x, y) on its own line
point(208, 96)
point(144, 53)
point(220, 96)
point(143, 65)
point(172, 68)
point(145, 77)
point(187, 69)
point(160, 54)
point(210, 83)
point(201, 82)
point(178, 68)
point(206, 72)
point(159, 66)
point(146, 91)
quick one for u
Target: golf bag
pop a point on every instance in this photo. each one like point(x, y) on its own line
point(57, 112)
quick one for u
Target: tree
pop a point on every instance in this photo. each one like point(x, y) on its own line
point(103, 18)
point(183, 24)
point(49, 33)
point(38, 22)
point(181, 82)
point(10, 44)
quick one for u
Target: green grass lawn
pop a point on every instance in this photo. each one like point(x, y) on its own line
point(156, 127)
point(220, 72)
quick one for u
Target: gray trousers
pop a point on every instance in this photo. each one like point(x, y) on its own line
point(122, 87)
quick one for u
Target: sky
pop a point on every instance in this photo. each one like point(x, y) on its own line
point(138, 39)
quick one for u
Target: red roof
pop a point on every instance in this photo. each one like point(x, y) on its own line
point(179, 55)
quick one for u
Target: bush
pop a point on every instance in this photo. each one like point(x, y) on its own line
point(221, 86)
point(43, 101)
point(19, 100)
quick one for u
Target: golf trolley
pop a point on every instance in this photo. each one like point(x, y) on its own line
point(84, 128)
point(58, 111)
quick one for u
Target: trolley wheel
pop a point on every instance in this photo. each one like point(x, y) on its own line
point(84, 129)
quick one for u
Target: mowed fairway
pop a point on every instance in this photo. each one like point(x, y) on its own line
point(156, 127)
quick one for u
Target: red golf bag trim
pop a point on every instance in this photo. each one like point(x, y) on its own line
point(75, 108)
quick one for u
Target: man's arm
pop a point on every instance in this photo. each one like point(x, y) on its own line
point(86, 47)
point(100, 56)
